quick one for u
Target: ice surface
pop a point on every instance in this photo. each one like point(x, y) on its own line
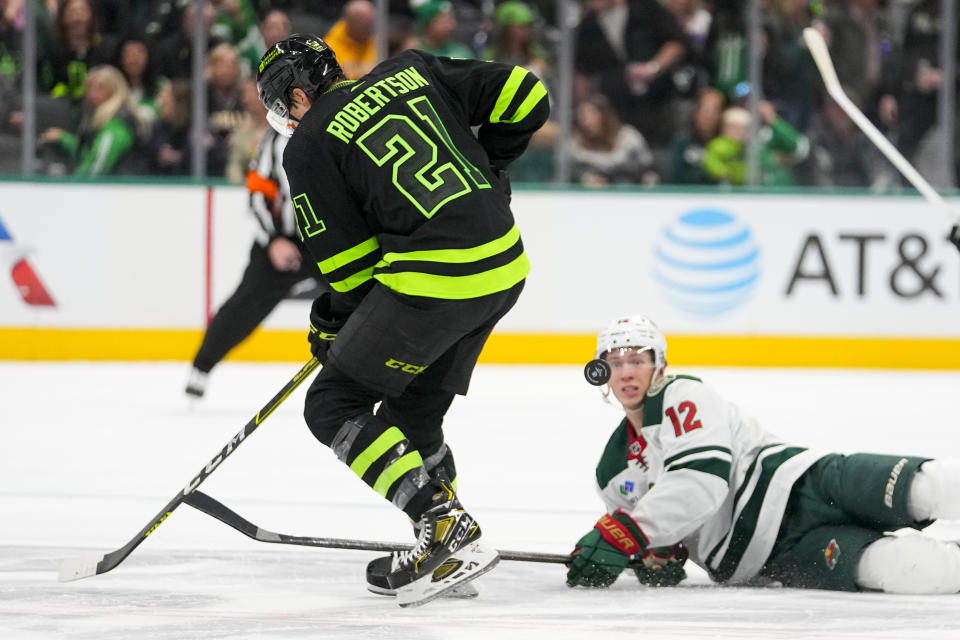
point(90, 452)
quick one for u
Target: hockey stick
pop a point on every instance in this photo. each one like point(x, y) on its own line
point(821, 56)
point(86, 566)
point(213, 507)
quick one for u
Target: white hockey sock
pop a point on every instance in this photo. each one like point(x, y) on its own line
point(911, 564)
point(935, 490)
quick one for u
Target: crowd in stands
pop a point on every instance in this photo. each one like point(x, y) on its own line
point(660, 87)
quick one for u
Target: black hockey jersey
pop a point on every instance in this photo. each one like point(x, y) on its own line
point(391, 184)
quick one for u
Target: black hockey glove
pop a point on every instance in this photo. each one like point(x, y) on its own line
point(662, 566)
point(955, 235)
point(323, 327)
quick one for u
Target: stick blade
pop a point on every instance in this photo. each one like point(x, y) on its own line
point(79, 567)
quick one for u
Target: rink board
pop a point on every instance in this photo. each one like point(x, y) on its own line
point(133, 272)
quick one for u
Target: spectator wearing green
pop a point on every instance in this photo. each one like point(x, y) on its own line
point(274, 27)
point(781, 148)
point(688, 145)
point(109, 130)
point(78, 47)
point(437, 24)
point(515, 42)
point(9, 51)
point(235, 19)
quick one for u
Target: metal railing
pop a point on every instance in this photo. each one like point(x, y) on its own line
point(567, 15)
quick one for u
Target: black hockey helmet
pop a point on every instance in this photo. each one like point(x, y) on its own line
point(301, 61)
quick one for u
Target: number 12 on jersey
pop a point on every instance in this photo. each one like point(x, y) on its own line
point(689, 412)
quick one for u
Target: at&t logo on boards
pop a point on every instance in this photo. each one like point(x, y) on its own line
point(706, 262)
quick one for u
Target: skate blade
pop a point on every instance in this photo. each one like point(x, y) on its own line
point(469, 563)
point(461, 590)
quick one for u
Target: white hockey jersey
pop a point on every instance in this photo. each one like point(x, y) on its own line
point(702, 473)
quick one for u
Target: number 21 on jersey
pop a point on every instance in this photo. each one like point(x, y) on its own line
point(425, 165)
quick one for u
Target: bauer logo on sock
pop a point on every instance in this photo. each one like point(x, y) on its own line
point(892, 483)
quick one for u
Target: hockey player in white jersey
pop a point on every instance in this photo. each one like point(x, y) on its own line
point(686, 473)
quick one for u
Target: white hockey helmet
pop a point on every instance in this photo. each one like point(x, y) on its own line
point(634, 332)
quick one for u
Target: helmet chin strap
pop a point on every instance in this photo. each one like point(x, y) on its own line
point(659, 381)
point(285, 126)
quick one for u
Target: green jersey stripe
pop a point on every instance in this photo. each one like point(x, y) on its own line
point(614, 458)
point(349, 255)
point(457, 287)
point(537, 93)
point(747, 478)
point(389, 438)
point(689, 452)
point(507, 93)
point(354, 281)
point(396, 471)
point(457, 256)
point(746, 523)
point(713, 466)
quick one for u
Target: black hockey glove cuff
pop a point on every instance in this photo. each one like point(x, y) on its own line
point(324, 327)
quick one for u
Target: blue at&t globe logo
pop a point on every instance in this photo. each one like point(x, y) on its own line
point(706, 262)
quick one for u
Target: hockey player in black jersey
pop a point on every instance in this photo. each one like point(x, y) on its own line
point(407, 213)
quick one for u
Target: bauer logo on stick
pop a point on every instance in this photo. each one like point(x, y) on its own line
point(597, 372)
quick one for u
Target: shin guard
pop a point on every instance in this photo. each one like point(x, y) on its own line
point(383, 458)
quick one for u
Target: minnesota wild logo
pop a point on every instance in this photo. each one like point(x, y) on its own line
point(832, 554)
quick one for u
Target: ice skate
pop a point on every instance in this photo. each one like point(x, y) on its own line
point(196, 383)
point(447, 553)
point(378, 569)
